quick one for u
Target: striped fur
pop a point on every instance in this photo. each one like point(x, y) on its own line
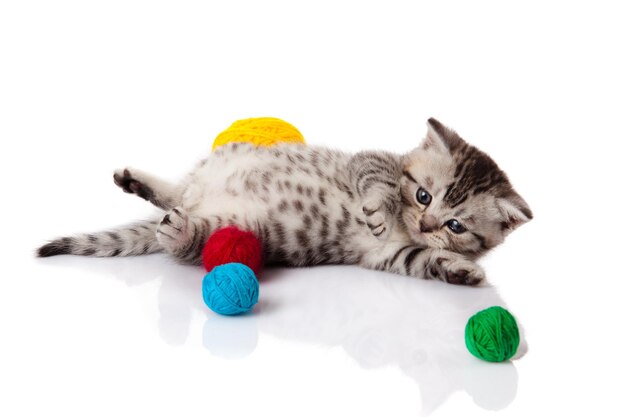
point(312, 205)
point(135, 239)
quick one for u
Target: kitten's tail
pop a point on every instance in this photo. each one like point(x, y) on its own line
point(135, 239)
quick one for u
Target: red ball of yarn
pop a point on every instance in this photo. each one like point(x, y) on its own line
point(228, 245)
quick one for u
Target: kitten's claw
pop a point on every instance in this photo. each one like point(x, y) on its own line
point(377, 219)
point(124, 179)
point(458, 271)
point(173, 231)
point(376, 223)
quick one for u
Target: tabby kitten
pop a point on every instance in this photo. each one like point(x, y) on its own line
point(429, 213)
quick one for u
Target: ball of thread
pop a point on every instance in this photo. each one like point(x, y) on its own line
point(230, 289)
point(260, 131)
point(228, 245)
point(492, 335)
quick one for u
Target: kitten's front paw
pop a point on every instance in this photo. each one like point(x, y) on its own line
point(124, 179)
point(378, 219)
point(173, 232)
point(455, 269)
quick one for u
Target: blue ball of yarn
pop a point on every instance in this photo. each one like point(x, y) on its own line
point(230, 289)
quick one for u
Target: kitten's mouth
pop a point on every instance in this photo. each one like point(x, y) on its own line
point(418, 237)
point(425, 239)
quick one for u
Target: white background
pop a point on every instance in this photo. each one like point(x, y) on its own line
point(87, 87)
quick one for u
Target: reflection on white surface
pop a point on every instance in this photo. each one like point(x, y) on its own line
point(230, 337)
point(388, 320)
point(379, 319)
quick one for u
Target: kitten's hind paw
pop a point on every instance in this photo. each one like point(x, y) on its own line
point(124, 179)
point(173, 233)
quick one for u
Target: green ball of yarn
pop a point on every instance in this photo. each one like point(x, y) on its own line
point(492, 335)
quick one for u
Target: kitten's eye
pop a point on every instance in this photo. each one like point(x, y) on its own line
point(423, 197)
point(455, 226)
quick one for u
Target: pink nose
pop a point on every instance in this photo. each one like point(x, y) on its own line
point(428, 223)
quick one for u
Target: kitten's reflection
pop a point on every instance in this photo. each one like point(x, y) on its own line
point(388, 320)
point(379, 319)
point(179, 293)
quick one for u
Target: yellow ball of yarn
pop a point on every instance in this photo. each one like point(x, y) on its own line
point(260, 131)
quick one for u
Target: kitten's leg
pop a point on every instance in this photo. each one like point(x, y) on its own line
point(375, 177)
point(183, 236)
point(160, 193)
point(428, 263)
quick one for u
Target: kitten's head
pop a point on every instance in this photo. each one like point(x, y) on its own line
point(455, 197)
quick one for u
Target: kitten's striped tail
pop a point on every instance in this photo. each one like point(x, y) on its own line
point(135, 239)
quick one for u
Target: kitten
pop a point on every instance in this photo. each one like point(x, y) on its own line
point(429, 213)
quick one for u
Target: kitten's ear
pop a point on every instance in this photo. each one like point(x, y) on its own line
point(515, 212)
point(441, 138)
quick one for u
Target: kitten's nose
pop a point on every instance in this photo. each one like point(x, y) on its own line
point(428, 223)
